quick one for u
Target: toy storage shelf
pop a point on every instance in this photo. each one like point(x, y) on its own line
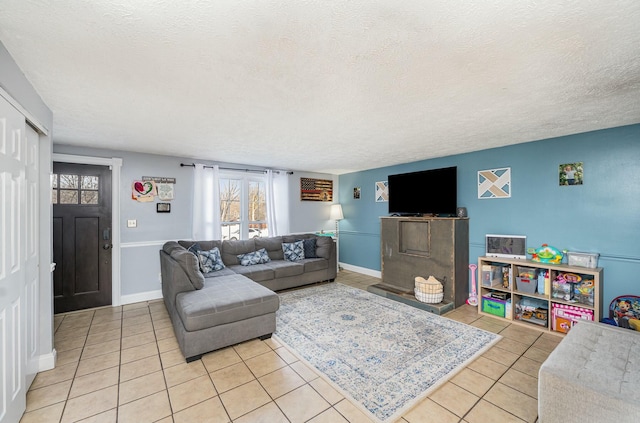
point(501, 277)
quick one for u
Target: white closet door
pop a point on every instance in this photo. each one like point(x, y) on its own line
point(13, 274)
point(32, 257)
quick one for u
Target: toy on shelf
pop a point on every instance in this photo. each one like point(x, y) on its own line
point(563, 286)
point(546, 254)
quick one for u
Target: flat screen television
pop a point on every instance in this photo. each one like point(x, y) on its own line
point(428, 192)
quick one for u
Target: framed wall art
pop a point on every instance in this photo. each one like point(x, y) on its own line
point(312, 189)
point(382, 191)
point(494, 183)
point(571, 174)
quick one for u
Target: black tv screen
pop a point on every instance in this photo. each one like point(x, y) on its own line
point(428, 192)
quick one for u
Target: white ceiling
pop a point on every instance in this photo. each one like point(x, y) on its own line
point(326, 85)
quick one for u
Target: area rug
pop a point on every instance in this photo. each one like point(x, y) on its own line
point(383, 355)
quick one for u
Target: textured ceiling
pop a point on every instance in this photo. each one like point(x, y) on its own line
point(326, 86)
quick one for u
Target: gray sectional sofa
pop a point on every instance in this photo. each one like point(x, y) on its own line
point(236, 303)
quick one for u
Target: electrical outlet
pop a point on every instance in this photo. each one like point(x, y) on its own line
point(160, 277)
point(132, 223)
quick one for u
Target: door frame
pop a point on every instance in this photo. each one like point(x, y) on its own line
point(115, 164)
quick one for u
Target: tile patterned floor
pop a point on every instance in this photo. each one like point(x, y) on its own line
point(123, 365)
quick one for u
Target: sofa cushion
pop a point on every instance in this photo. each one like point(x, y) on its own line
point(223, 272)
point(297, 237)
point(204, 245)
point(223, 300)
point(273, 245)
point(232, 248)
point(210, 261)
point(323, 247)
point(170, 246)
point(314, 264)
point(189, 263)
point(257, 272)
point(284, 268)
point(293, 251)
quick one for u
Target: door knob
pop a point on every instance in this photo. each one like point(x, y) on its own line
point(107, 246)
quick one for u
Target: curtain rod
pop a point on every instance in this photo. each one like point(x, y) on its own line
point(234, 168)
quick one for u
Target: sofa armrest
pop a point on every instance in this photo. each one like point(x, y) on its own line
point(174, 278)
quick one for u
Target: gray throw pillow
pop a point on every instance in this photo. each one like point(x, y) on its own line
point(189, 263)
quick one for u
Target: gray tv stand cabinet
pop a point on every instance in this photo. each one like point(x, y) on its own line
point(425, 246)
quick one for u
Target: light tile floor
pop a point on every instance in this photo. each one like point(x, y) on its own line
point(123, 364)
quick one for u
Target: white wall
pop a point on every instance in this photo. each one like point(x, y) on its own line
point(140, 265)
point(309, 216)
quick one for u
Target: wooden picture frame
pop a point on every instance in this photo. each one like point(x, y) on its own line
point(312, 189)
point(163, 207)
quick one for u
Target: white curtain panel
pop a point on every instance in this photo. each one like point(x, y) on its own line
point(271, 204)
point(206, 203)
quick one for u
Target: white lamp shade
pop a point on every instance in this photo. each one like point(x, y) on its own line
point(336, 212)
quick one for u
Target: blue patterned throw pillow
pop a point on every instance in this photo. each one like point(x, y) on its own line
point(309, 247)
point(210, 261)
point(293, 251)
point(255, 257)
point(195, 247)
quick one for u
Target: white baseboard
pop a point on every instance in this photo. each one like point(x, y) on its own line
point(363, 270)
point(142, 296)
point(47, 361)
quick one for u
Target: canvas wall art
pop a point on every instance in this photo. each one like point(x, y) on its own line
point(494, 183)
point(382, 191)
point(312, 189)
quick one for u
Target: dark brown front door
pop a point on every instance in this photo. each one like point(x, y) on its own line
point(81, 198)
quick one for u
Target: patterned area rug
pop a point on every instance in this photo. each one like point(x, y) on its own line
point(384, 355)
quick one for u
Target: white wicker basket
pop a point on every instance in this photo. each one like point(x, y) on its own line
point(428, 298)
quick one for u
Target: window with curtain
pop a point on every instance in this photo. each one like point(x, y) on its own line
point(243, 206)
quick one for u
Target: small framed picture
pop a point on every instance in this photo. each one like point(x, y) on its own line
point(571, 174)
point(163, 207)
point(356, 193)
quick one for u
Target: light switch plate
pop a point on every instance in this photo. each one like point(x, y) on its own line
point(132, 223)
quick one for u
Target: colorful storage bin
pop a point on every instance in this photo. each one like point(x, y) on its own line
point(563, 316)
point(494, 306)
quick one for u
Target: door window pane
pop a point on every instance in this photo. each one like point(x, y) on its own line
point(89, 197)
point(54, 196)
point(68, 196)
point(90, 182)
point(69, 181)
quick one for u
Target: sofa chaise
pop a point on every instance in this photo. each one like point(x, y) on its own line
point(236, 301)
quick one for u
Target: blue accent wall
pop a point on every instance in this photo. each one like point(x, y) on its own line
point(602, 215)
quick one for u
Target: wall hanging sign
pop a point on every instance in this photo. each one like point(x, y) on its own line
point(312, 189)
point(382, 192)
point(164, 186)
point(163, 207)
point(356, 193)
point(143, 191)
point(571, 174)
point(494, 183)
